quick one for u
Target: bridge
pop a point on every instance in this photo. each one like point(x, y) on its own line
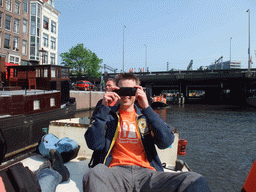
point(219, 86)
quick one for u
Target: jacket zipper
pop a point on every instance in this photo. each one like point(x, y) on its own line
point(114, 139)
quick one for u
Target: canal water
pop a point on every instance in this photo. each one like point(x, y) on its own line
point(221, 141)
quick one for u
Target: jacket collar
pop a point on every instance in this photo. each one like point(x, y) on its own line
point(116, 108)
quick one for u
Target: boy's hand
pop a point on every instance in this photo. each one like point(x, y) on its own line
point(141, 97)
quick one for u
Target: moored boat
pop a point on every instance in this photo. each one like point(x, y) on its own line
point(31, 97)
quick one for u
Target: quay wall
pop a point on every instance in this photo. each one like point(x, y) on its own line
point(86, 99)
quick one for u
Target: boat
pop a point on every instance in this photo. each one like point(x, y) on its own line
point(159, 101)
point(30, 98)
point(75, 128)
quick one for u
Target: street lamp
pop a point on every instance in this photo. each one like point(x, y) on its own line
point(42, 51)
point(146, 58)
point(123, 47)
point(230, 50)
point(249, 62)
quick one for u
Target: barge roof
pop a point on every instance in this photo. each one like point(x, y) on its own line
point(25, 92)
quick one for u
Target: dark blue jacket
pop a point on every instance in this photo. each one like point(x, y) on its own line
point(102, 133)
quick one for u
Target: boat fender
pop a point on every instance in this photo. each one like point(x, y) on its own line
point(182, 143)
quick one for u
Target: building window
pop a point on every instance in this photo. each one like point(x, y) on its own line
point(32, 46)
point(14, 59)
point(52, 57)
point(51, 2)
point(15, 43)
point(7, 38)
point(24, 47)
point(33, 9)
point(53, 43)
point(45, 40)
point(1, 19)
point(25, 6)
point(17, 7)
point(33, 25)
point(11, 59)
point(25, 26)
point(16, 25)
point(45, 58)
point(1, 2)
point(8, 5)
point(0, 38)
point(53, 27)
point(8, 20)
point(46, 23)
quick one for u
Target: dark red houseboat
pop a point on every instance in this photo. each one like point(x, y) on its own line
point(31, 97)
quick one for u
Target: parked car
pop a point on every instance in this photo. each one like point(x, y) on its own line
point(84, 85)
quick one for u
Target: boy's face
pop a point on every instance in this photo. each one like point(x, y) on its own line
point(127, 102)
point(109, 85)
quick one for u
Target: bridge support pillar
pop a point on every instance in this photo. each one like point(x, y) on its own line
point(183, 88)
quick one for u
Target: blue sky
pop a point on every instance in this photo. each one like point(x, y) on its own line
point(174, 31)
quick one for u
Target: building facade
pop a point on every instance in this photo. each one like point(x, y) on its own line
point(225, 65)
point(44, 32)
point(14, 30)
point(29, 31)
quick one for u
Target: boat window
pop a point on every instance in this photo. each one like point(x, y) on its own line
point(58, 74)
point(52, 102)
point(63, 73)
point(42, 72)
point(53, 72)
point(67, 73)
point(46, 73)
point(37, 72)
point(36, 105)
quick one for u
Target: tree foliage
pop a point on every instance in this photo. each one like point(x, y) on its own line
point(82, 61)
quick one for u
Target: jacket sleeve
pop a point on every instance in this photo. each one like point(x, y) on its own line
point(95, 110)
point(163, 134)
point(95, 134)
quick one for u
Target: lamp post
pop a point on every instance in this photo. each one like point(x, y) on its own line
point(123, 47)
point(230, 50)
point(42, 51)
point(145, 58)
point(249, 62)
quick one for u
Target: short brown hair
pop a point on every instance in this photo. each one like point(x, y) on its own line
point(131, 76)
point(111, 79)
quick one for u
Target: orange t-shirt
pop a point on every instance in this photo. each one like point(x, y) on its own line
point(128, 148)
point(2, 188)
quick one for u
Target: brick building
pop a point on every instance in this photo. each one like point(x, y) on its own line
point(24, 24)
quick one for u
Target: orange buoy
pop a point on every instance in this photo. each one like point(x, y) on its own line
point(182, 143)
point(250, 182)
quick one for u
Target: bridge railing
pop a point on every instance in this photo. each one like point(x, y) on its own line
point(231, 71)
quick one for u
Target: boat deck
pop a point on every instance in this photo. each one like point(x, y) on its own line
point(76, 167)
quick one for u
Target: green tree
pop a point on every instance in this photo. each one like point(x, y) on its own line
point(82, 61)
point(94, 67)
